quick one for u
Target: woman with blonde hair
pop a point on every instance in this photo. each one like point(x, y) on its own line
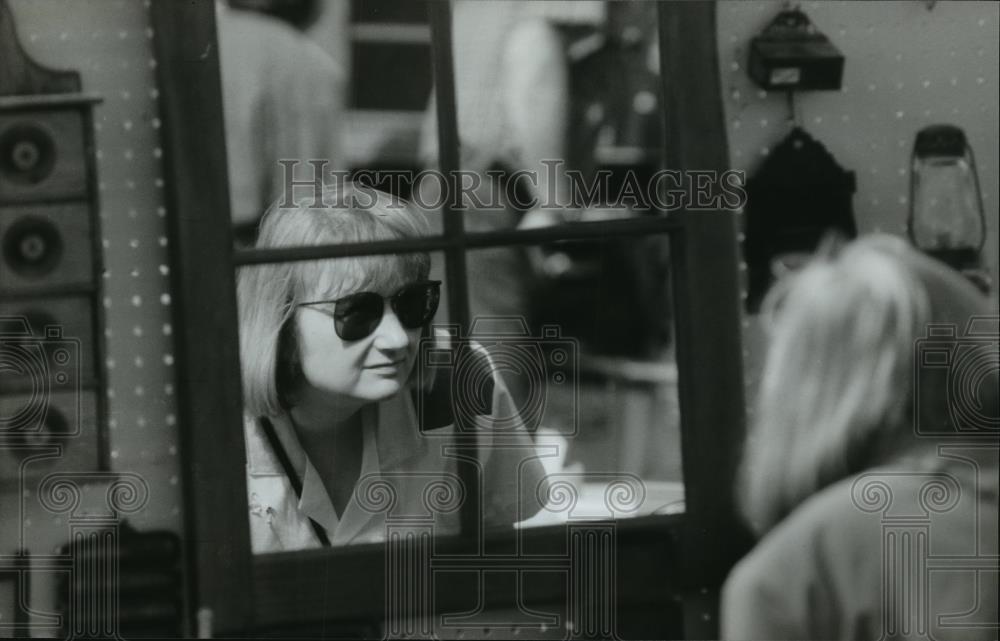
point(881, 363)
point(329, 350)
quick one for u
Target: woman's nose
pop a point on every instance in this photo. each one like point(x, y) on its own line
point(390, 333)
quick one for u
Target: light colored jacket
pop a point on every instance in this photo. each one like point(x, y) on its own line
point(408, 480)
point(902, 552)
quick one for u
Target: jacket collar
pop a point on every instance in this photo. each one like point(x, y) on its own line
point(391, 437)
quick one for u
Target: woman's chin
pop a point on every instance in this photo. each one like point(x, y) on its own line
point(382, 389)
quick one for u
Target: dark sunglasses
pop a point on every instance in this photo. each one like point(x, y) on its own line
point(356, 316)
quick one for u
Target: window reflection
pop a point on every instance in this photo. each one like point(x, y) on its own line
point(566, 375)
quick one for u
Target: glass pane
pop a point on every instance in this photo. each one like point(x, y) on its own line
point(558, 107)
point(586, 353)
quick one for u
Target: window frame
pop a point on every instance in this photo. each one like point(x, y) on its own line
point(662, 560)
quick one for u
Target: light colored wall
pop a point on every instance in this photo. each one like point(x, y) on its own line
point(907, 66)
point(110, 43)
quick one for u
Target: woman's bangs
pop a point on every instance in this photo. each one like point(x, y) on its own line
point(335, 278)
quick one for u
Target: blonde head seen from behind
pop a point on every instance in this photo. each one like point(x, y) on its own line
point(269, 293)
point(836, 395)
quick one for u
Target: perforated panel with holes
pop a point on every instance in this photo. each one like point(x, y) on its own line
point(907, 66)
point(110, 43)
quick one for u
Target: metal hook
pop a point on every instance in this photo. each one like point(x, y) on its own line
point(793, 115)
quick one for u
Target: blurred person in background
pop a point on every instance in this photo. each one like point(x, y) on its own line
point(283, 99)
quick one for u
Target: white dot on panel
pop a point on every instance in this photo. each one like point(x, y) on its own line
point(168, 389)
point(845, 118)
point(980, 80)
point(126, 95)
point(164, 270)
point(114, 453)
point(149, 32)
point(107, 332)
point(874, 170)
point(141, 421)
point(818, 120)
point(125, 64)
point(107, 301)
point(903, 200)
point(174, 511)
point(122, 34)
point(110, 363)
point(130, 184)
point(159, 183)
point(981, 52)
point(157, 153)
point(763, 122)
point(152, 63)
point(161, 211)
point(954, 82)
point(982, 22)
point(764, 151)
point(138, 361)
point(139, 390)
point(163, 241)
point(872, 86)
point(762, 94)
point(134, 273)
point(172, 450)
point(164, 299)
point(901, 171)
point(133, 212)
point(899, 57)
point(105, 243)
point(99, 154)
point(955, 111)
point(128, 154)
point(33, 37)
point(168, 359)
point(128, 125)
point(736, 124)
point(736, 94)
point(876, 202)
point(111, 393)
point(156, 121)
point(174, 480)
point(27, 522)
point(900, 114)
point(734, 66)
point(170, 419)
point(154, 93)
point(899, 86)
point(927, 113)
point(113, 423)
point(167, 329)
point(137, 301)
point(926, 84)
point(134, 243)
point(137, 331)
